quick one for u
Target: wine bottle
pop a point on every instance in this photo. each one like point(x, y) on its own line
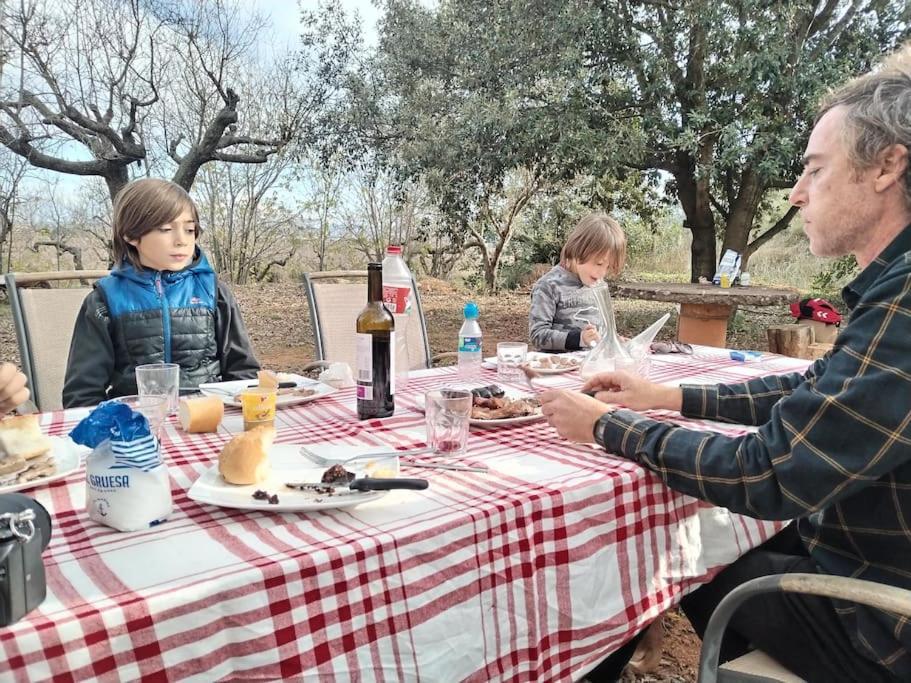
point(375, 352)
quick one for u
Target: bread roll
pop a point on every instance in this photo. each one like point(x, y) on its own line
point(199, 415)
point(21, 437)
point(267, 379)
point(245, 458)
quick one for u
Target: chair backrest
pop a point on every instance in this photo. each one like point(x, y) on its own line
point(44, 320)
point(860, 591)
point(336, 298)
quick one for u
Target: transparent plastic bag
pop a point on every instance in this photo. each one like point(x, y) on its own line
point(609, 351)
point(613, 354)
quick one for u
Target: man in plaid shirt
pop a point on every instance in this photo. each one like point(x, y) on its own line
point(833, 449)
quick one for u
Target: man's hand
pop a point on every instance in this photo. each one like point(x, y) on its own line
point(572, 414)
point(12, 388)
point(590, 336)
point(633, 392)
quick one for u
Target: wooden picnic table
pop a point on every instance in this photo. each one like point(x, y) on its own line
point(705, 309)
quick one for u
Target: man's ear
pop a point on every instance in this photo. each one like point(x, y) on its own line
point(893, 164)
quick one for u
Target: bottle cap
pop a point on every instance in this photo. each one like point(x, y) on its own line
point(374, 266)
point(471, 310)
point(394, 249)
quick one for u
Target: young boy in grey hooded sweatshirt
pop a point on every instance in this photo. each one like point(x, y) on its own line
point(563, 314)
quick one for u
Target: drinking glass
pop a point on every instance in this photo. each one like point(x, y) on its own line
point(153, 407)
point(510, 356)
point(160, 379)
point(446, 415)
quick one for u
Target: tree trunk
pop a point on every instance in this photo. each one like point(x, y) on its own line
point(743, 212)
point(116, 179)
point(694, 196)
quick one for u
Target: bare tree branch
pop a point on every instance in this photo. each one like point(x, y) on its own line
point(780, 225)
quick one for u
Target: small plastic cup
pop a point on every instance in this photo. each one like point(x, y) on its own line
point(258, 406)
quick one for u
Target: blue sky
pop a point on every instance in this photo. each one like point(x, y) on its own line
point(286, 14)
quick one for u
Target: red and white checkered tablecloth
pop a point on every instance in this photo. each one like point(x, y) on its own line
point(534, 571)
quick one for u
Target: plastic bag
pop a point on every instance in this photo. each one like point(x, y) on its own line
point(126, 483)
point(613, 354)
point(608, 353)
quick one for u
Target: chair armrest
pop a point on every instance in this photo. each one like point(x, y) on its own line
point(316, 365)
point(443, 356)
point(868, 593)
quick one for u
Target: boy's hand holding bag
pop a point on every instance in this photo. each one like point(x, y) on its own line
point(126, 481)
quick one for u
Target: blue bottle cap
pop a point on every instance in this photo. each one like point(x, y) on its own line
point(471, 310)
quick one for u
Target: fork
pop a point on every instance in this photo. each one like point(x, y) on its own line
point(323, 461)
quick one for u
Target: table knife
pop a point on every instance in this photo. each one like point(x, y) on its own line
point(362, 484)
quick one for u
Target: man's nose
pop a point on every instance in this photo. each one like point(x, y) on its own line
point(797, 197)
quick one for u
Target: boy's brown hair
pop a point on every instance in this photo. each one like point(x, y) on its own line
point(595, 235)
point(141, 207)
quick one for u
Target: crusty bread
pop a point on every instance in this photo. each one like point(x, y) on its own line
point(267, 379)
point(245, 458)
point(200, 415)
point(21, 437)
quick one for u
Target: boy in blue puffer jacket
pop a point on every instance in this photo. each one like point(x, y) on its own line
point(162, 302)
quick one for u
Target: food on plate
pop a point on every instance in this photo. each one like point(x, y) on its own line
point(267, 379)
point(282, 383)
point(10, 469)
point(25, 452)
point(21, 437)
point(200, 415)
point(245, 458)
point(272, 498)
point(554, 362)
point(490, 391)
point(337, 474)
point(500, 408)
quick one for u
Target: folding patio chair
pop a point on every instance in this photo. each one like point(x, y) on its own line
point(44, 318)
point(758, 667)
point(336, 298)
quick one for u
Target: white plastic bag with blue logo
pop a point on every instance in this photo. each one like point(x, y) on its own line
point(126, 482)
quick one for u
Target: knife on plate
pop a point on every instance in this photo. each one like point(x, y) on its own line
point(233, 392)
point(361, 484)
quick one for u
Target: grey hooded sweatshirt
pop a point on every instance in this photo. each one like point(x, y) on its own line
point(561, 306)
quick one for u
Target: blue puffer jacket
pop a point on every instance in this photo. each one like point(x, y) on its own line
point(146, 316)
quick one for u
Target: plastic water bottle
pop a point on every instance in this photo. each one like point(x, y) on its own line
point(470, 355)
point(399, 299)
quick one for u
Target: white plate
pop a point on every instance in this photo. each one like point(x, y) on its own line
point(289, 465)
point(534, 357)
point(226, 390)
point(507, 420)
point(68, 458)
point(534, 417)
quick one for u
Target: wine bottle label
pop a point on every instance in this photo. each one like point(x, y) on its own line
point(392, 355)
point(364, 349)
point(397, 299)
point(470, 344)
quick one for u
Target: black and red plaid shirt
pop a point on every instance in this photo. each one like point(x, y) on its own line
point(833, 449)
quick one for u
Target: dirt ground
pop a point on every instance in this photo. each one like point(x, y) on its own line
point(278, 321)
